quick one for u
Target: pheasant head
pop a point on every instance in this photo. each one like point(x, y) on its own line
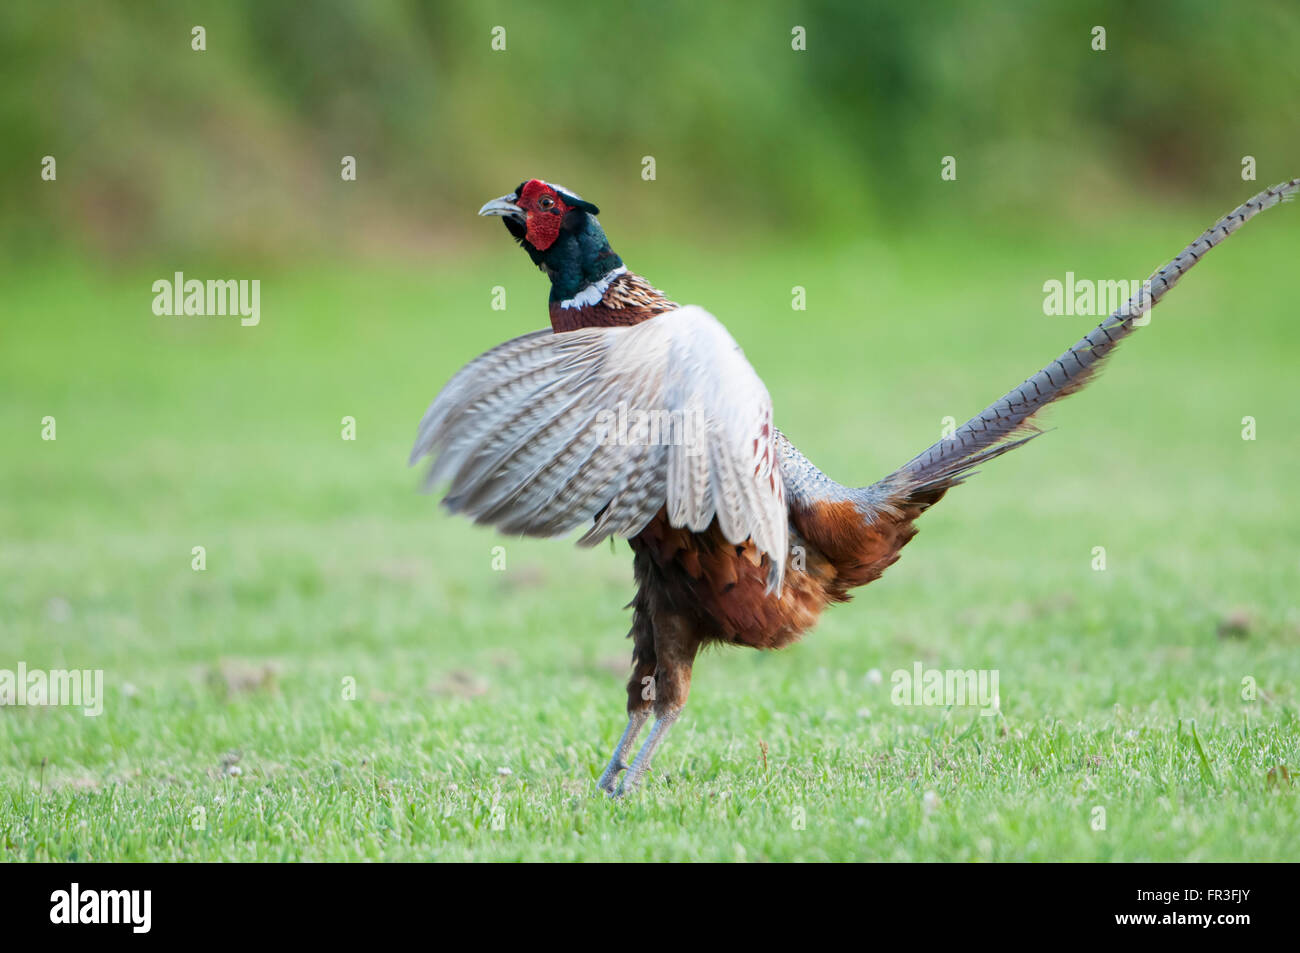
point(589, 284)
point(560, 232)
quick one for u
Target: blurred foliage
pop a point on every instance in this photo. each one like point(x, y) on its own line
point(236, 150)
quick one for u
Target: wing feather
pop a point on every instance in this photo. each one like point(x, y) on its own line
point(607, 426)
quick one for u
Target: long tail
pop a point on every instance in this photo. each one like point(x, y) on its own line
point(1007, 422)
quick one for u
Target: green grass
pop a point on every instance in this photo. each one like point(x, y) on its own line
point(324, 564)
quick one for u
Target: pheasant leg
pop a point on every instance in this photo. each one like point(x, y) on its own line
point(635, 773)
point(635, 722)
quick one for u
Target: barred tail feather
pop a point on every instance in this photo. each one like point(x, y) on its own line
point(1007, 423)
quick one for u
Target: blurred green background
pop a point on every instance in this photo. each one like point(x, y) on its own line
point(486, 695)
point(235, 151)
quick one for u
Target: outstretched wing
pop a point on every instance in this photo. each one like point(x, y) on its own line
point(607, 426)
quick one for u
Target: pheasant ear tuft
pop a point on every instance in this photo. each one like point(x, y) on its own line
point(574, 202)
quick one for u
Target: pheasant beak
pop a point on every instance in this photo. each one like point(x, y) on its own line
point(505, 207)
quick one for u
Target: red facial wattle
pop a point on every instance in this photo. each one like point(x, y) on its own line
point(545, 212)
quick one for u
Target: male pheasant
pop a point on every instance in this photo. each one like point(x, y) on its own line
point(635, 417)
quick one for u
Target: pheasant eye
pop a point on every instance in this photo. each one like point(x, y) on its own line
point(545, 202)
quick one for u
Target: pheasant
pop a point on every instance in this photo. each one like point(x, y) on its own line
point(635, 417)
